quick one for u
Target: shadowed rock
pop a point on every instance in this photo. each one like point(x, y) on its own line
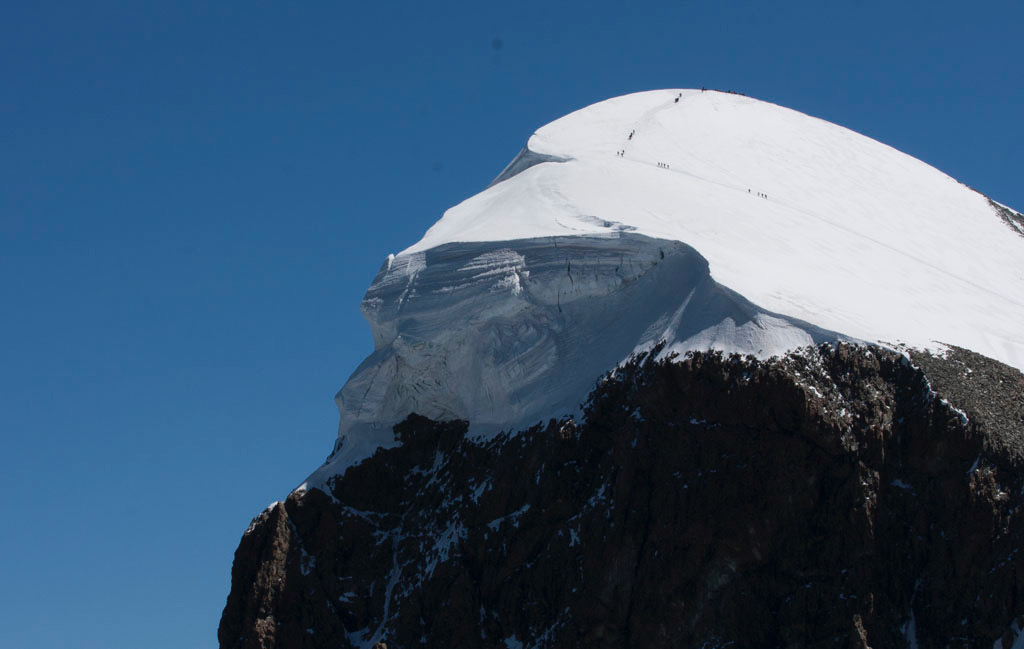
point(832, 497)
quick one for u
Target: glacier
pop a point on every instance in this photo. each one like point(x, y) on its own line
point(701, 220)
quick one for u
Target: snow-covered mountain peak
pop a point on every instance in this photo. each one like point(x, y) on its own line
point(706, 220)
point(799, 215)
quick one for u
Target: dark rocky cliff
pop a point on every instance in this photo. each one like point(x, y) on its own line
point(834, 497)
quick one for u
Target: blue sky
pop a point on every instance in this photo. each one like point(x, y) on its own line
point(193, 199)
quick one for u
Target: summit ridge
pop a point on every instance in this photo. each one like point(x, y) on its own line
point(683, 218)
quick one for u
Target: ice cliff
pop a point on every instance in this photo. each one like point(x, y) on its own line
point(702, 219)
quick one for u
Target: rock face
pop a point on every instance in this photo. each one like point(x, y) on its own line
point(831, 497)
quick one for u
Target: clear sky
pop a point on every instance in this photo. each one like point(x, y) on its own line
point(194, 197)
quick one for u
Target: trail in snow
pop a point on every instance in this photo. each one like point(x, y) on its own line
point(855, 236)
point(757, 196)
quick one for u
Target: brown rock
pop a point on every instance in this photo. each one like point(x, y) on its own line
point(828, 498)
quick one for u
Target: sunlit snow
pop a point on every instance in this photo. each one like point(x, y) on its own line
point(705, 219)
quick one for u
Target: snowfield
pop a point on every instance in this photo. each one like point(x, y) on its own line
point(705, 219)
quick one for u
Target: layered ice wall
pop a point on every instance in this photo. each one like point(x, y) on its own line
point(702, 219)
point(508, 334)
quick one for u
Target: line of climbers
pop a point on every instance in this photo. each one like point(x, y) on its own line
point(662, 165)
point(728, 92)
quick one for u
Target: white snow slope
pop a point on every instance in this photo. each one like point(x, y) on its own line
point(724, 222)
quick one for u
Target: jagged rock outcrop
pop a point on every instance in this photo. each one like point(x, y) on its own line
point(832, 497)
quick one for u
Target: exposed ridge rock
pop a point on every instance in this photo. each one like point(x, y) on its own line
point(991, 391)
point(832, 497)
point(259, 573)
point(1010, 217)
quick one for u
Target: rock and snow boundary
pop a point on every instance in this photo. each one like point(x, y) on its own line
point(835, 496)
point(702, 220)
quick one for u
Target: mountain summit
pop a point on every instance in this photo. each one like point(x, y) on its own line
point(701, 220)
point(694, 371)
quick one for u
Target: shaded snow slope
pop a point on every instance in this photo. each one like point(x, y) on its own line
point(523, 161)
point(710, 220)
point(511, 333)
